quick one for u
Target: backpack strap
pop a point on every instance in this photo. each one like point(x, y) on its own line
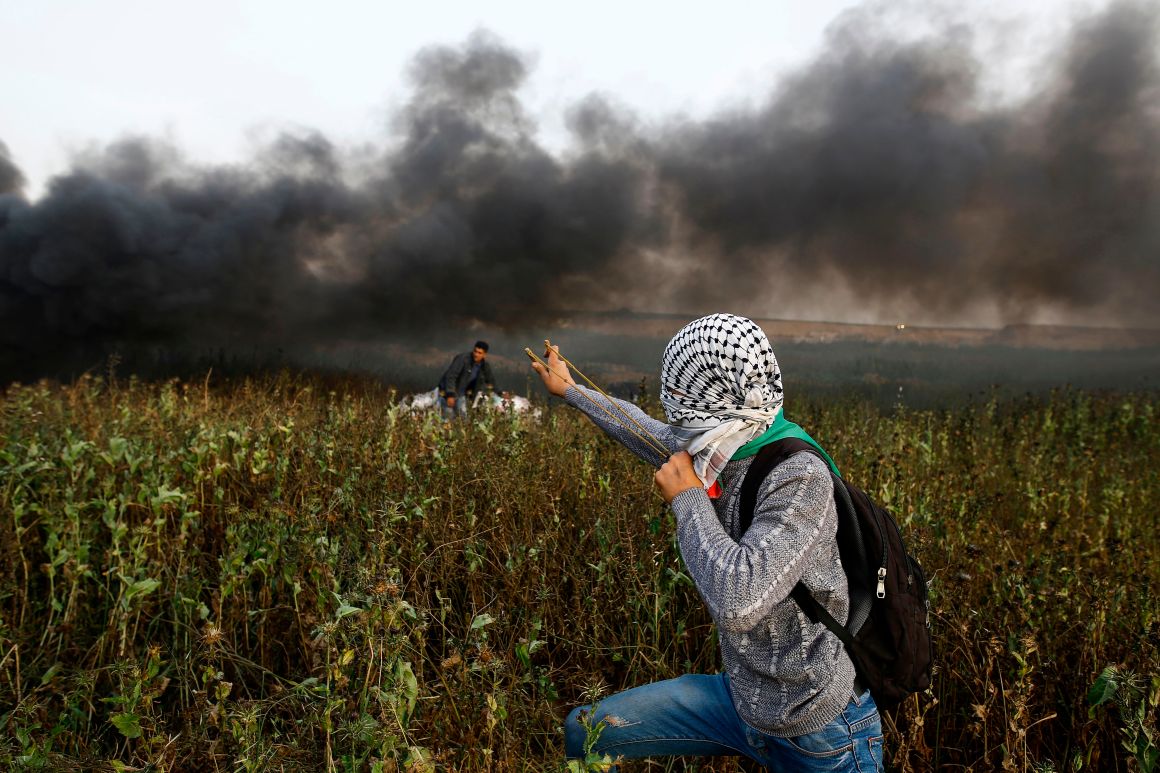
point(770, 456)
point(818, 614)
point(767, 458)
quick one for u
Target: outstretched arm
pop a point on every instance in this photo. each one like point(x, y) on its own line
point(622, 420)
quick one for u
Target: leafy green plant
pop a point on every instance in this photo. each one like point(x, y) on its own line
point(592, 761)
point(294, 573)
point(1136, 700)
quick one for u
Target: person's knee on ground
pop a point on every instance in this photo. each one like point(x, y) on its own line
point(575, 733)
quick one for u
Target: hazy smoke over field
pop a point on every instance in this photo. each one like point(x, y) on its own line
point(880, 171)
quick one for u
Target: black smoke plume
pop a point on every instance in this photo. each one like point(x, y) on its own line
point(11, 178)
point(877, 168)
point(875, 182)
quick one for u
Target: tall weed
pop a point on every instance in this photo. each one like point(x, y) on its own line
point(293, 573)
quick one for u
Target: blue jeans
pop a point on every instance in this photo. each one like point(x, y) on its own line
point(458, 412)
point(694, 715)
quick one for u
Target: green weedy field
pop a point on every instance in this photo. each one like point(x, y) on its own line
point(294, 574)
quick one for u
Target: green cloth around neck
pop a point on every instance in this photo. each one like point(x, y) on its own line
point(782, 428)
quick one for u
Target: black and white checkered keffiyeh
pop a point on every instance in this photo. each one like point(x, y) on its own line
point(720, 388)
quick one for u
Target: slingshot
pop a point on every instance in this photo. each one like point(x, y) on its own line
point(647, 437)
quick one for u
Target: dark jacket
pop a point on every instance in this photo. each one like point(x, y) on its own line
point(455, 378)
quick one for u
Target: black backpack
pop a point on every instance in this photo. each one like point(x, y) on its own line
point(888, 631)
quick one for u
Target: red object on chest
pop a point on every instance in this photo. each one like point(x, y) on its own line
point(714, 491)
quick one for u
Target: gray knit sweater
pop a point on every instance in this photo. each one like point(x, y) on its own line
point(788, 677)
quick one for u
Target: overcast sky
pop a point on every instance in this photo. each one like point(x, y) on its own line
point(215, 77)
